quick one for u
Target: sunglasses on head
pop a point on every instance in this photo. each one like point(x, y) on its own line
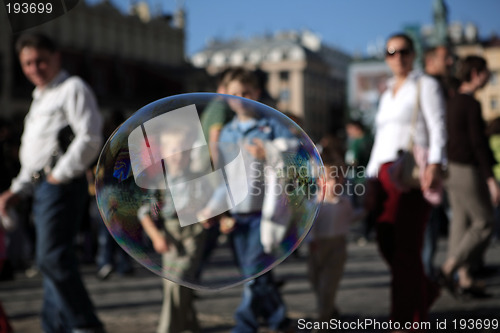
point(403, 52)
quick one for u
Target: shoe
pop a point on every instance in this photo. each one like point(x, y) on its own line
point(286, 327)
point(32, 272)
point(433, 293)
point(485, 271)
point(362, 241)
point(279, 283)
point(448, 282)
point(335, 314)
point(104, 272)
point(7, 271)
point(472, 292)
point(127, 273)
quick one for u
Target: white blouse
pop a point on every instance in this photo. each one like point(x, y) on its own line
point(393, 122)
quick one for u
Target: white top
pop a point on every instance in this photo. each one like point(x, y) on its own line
point(393, 121)
point(334, 219)
point(64, 101)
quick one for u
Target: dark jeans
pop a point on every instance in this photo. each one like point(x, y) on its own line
point(57, 212)
point(261, 297)
point(108, 251)
point(437, 219)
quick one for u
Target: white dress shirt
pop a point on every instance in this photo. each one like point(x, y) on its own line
point(394, 118)
point(64, 101)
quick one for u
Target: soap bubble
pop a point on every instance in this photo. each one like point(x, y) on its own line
point(161, 188)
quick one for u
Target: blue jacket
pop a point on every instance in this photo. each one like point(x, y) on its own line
point(232, 141)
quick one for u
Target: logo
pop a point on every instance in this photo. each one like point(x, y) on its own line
point(171, 144)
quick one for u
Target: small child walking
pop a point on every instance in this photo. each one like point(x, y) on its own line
point(328, 242)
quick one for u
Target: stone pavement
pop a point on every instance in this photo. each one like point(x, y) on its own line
point(132, 304)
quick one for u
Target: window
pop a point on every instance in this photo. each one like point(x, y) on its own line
point(494, 102)
point(494, 78)
point(284, 75)
point(285, 95)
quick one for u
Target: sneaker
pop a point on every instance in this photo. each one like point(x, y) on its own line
point(104, 272)
point(362, 241)
point(32, 272)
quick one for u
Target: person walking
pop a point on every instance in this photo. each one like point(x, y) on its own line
point(61, 138)
point(471, 185)
point(404, 213)
point(438, 63)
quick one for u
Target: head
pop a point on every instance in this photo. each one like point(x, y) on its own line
point(39, 58)
point(438, 61)
point(355, 129)
point(222, 81)
point(242, 83)
point(171, 141)
point(334, 180)
point(400, 54)
point(473, 71)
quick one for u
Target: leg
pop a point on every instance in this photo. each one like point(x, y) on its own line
point(260, 296)
point(400, 240)
point(212, 236)
point(431, 236)
point(331, 271)
point(472, 220)
point(177, 312)
point(412, 291)
point(57, 209)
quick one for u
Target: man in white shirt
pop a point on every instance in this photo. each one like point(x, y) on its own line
point(53, 175)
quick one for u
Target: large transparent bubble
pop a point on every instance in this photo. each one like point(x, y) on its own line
point(202, 213)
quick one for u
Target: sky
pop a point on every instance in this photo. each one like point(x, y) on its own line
point(347, 24)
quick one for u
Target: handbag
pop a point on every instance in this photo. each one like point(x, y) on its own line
point(405, 172)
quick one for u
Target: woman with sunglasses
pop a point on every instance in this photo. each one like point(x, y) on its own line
point(404, 213)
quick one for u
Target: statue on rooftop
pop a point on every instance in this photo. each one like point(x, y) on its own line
point(440, 36)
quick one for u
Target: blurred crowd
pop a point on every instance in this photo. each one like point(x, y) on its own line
point(430, 113)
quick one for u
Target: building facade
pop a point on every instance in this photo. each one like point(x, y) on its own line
point(306, 78)
point(128, 59)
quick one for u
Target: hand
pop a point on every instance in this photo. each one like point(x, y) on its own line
point(432, 177)
point(204, 217)
point(52, 180)
point(257, 149)
point(494, 191)
point(7, 199)
point(227, 224)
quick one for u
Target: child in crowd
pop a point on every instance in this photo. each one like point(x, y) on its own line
point(181, 246)
point(249, 134)
point(328, 241)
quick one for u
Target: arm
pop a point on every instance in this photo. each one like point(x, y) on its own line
point(477, 135)
point(83, 116)
point(432, 104)
point(7, 199)
point(482, 150)
point(21, 186)
point(213, 138)
point(157, 237)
